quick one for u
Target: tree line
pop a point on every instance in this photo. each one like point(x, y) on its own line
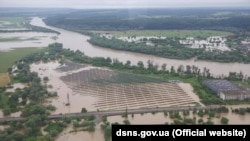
point(171, 49)
point(127, 19)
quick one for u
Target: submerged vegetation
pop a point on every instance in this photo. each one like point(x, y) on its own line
point(190, 74)
point(35, 112)
point(20, 24)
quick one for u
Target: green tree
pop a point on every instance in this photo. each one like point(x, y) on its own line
point(126, 122)
point(33, 109)
point(46, 79)
point(128, 64)
point(84, 110)
point(140, 65)
point(6, 111)
point(224, 120)
point(164, 67)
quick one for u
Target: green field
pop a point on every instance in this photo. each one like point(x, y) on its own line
point(169, 33)
point(7, 59)
point(12, 22)
point(4, 101)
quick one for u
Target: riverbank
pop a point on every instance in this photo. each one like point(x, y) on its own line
point(76, 41)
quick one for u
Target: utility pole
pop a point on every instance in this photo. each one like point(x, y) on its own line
point(68, 99)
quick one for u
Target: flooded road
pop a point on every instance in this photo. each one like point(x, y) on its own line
point(160, 118)
point(76, 41)
point(149, 119)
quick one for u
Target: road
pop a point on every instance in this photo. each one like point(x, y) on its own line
point(100, 114)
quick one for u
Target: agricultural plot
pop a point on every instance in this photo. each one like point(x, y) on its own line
point(4, 79)
point(112, 92)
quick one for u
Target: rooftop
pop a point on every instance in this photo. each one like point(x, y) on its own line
point(236, 92)
point(221, 85)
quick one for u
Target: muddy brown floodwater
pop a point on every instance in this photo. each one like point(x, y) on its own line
point(76, 41)
point(147, 119)
point(77, 101)
point(160, 118)
point(97, 135)
point(26, 39)
point(16, 86)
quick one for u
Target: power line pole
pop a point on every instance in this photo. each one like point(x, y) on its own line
point(68, 99)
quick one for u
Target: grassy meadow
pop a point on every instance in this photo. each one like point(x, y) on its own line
point(8, 58)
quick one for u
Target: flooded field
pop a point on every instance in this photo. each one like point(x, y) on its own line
point(2, 127)
point(65, 94)
point(187, 88)
point(97, 135)
point(114, 92)
point(156, 118)
point(89, 87)
point(25, 39)
point(17, 114)
point(80, 99)
point(160, 118)
point(16, 86)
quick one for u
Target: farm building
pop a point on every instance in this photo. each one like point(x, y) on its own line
point(237, 94)
point(227, 90)
point(220, 85)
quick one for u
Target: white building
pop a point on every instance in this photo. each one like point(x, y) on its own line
point(235, 95)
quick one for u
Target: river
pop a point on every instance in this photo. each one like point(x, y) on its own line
point(77, 41)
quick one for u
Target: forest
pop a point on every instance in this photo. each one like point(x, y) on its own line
point(235, 21)
point(141, 19)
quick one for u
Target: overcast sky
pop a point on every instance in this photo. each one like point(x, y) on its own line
point(123, 3)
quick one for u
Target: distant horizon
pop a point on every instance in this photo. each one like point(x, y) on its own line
point(96, 8)
point(127, 4)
